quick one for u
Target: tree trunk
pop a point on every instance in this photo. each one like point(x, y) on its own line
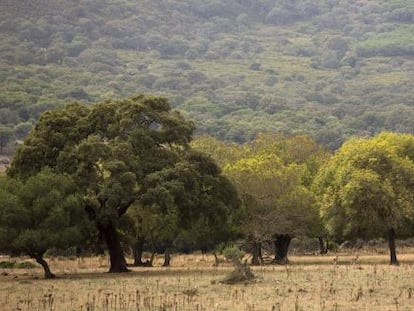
point(323, 248)
point(260, 253)
point(391, 245)
point(151, 259)
point(216, 260)
point(137, 251)
point(43, 263)
point(167, 257)
point(281, 243)
point(257, 253)
point(116, 254)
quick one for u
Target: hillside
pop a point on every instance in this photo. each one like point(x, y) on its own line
point(329, 68)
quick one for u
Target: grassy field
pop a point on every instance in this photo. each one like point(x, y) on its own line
point(192, 283)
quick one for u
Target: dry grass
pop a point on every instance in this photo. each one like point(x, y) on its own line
point(309, 283)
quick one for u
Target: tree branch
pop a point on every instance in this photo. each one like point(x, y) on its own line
point(90, 211)
point(122, 208)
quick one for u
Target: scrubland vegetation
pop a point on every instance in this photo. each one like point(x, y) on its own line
point(328, 68)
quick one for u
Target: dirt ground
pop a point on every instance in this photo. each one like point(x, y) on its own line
point(334, 282)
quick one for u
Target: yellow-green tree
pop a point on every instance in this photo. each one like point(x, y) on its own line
point(299, 149)
point(277, 204)
point(222, 152)
point(366, 189)
point(273, 174)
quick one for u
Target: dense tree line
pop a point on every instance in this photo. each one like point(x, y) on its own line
point(127, 173)
point(273, 174)
point(291, 186)
point(130, 154)
point(330, 69)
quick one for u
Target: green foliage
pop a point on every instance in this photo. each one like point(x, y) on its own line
point(23, 129)
point(191, 196)
point(317, 56)
point(366, 187)
point(17, 265)
point(396, 42)
point(274, 198)
point(190, 186)
point(125, 152)
point(43, 212)
point(233, 253)
point(6, 135)
point(273, 174)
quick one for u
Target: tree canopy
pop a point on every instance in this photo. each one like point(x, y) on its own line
point(131, 152)
point(273, 174)
point(108, 149)
point(366, 188)
point(41, 213)
point(331, 69)
point(189, 195)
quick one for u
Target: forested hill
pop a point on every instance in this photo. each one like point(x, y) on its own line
point(331, 68)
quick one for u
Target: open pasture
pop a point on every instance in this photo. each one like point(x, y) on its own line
point(192, 283)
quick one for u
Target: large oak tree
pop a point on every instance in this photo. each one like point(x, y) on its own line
point(108, 149)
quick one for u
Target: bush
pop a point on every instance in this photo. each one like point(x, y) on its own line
point(233, 253)
point(17, 265)
point(22, 129)
point(255, 66)
point(242, 272)
point(271, 81)
point(191, 54)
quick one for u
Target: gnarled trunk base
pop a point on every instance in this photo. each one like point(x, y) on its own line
point(116, 254)
point(323, 248)
point(45, 266)
point(257, 254)
point(281, 244)
point(391, 245)
point(137, 252)
point(241, 274)
point(167, 257)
